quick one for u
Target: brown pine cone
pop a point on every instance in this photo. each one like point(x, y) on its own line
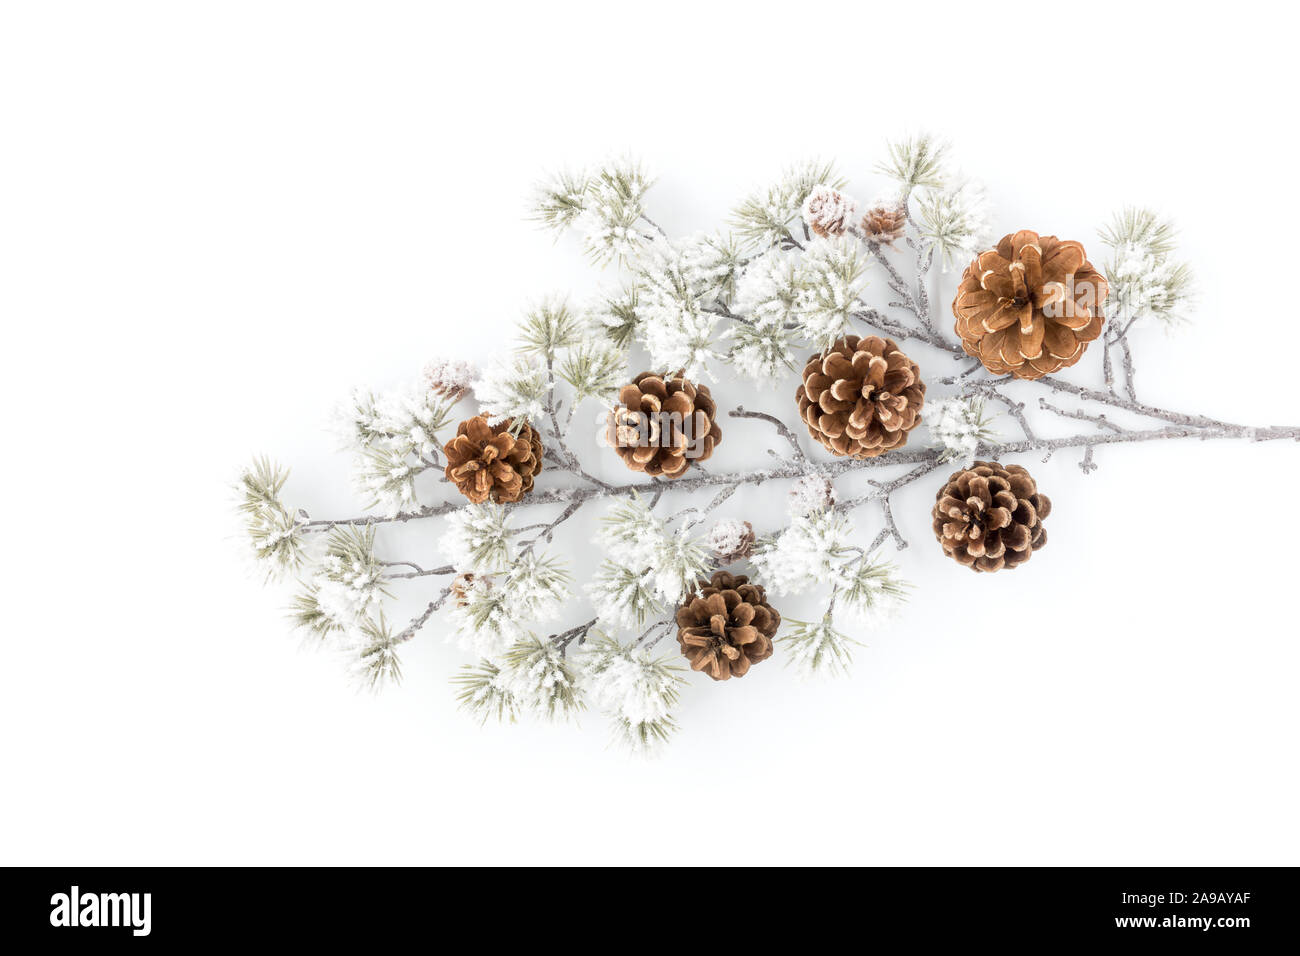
point(828, 211)
point(1030, 306)
point(990, 517)
point(726, 626)
point(487, 461)
point(660, 424)
point(861, 397)
point(885, 222)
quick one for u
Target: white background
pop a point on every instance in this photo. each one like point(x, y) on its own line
point(217, 218)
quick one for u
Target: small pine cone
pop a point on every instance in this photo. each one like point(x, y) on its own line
point(1030, 306)
point(449, 379)
point(660, 425)
point(885, 222)
point(486, 461)
point(726, 625)
point(828, 211)
point(811, 493)
point(990, 517)
point(463, 583)
point(861, 397)
point(732, 541)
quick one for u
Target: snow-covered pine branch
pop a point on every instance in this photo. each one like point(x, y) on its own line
point(802, 264)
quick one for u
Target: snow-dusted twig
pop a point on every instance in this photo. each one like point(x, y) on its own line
point(882, 492)
point(578, 633)
point(782, 429)
point(1015, 409)
point(1128, 368)
point(1107, 365)
point(1099, 420)
point(548, 530)
point(1087, 465)
point(418, 572)
point(562, 456)
point(417, 622)
point(659, 629)
point(896, 329)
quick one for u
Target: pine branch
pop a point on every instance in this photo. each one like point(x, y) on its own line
point(1190, 427)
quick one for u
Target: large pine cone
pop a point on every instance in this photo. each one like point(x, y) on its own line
point(990, 517)
point(1030, 306)
point(726, 626)
point(861, 397)
point(487, 461)
point(660, 425)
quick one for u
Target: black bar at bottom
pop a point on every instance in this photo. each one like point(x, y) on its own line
point(618, 909)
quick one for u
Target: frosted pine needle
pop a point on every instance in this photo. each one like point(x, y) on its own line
point(548, 327)
point(613, 210)
point(765, 218)
point(594, 370)
point(817, 648)
point(960, 425)
point(1145, 280)
point(539, 680)
point(916, 161)
point(633, 689)
point(870, 588)
point(514, 390)
point(832, 277)
point(560, 200)
point(955, 219)
point(805, 554)
point(375, 662)
point(477, 538)
point(483, 692)
point(272, 531)
point(617, 316)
